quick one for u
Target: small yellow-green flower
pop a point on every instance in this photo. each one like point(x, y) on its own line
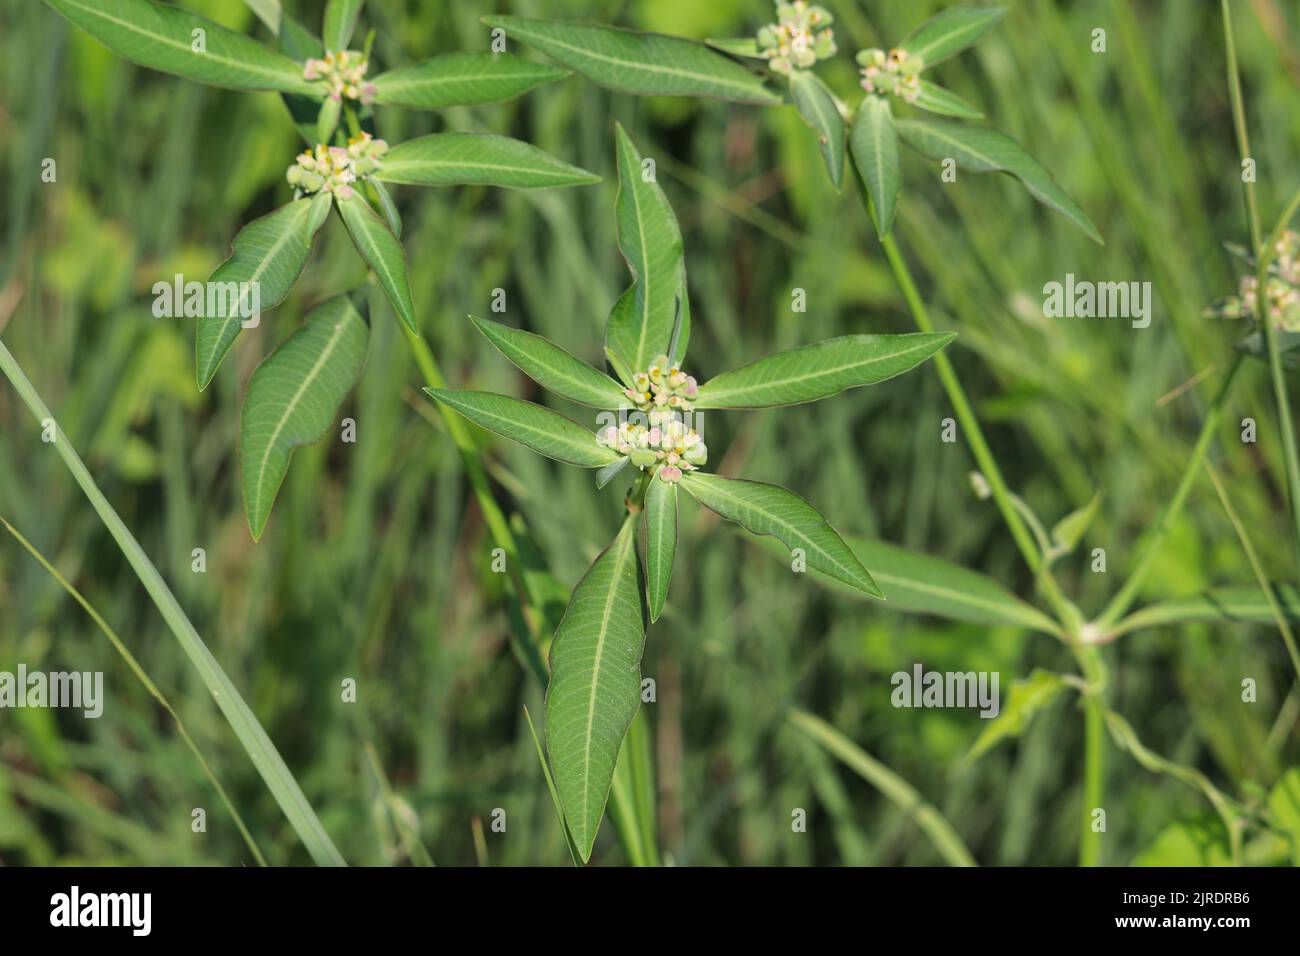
point(801, 36)
point(896, 72)
point(343, 73)
point(328, 168)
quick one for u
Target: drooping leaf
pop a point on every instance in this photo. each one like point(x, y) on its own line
point(660, 541)
point(981, 150)
point(595, 686)
point(812, 372)
point(462, 79)
point(769, 509)
point(383, 253)
point(816, 104)
point(926, 585)
point(552, 367)
point(173, 40)
point(935, 99)
point(293, 396)
point(1025, 700)
point(641, 326)
point(270, 252)
point(875, 153)
point(544, 431)
point(453, 159)
point(950, 32)
point(647, 64)
point(1244, 604)
point(340, 21)
point(388, 208)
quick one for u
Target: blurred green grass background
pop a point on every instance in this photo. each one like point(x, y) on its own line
point(375, 563)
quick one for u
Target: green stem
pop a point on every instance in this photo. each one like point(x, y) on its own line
point(498, 526)
point(1094, 742)
point(279, 779)
point(1263, 255)
point(975, 436)
point(1147, 550)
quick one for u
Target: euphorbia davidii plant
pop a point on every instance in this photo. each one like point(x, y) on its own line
point(653, 414)
point(331, 91)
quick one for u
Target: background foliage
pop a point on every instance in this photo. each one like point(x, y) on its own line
point(375, 565)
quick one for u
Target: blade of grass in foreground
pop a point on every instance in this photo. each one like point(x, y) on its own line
point(144, 679)
point(254, 739)
point(902, 793)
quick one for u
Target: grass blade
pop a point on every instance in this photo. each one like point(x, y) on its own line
point(279, 780)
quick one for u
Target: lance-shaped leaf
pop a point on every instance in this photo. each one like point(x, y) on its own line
point(935, 99)
point(453, 159)
point(293, 397)
point(544, 431)
point(816, 104)
point(552, 367)
point(746, 47)
point(660, 541)
point(818, 371)
point(267, 256)
point(340, 21)
point(1026, 698)
point(641, 326)
point(875, 153)
point(462, 79)
point(1241, 604)
point(167, 38)
point(768, 509)
point(926, 585)
point(647, 64)
point(950, 32)
point(595, 686)
point(382, 252)
point(982, 150)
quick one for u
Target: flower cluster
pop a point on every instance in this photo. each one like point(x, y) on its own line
point(1282, 290)
point(800, 37)
point(670, 447)
point(334, 168)
point(343, 73)
point(662, 387)
point(896, 72)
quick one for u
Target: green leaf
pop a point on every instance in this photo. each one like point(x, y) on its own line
point(935, 99)
point(552, 367)
point(661, 541)
point(270, 252)
point(1284, 802)
point(383, 253)
point(875, 152)
point(925, 585)
point(1242, 604)
point(641, 326)
point(616, 361)
point(746, 47)
point(1024, 700)
point(816, 104)
point(293, 396)
point(340, 21)
point(981, 150)
point(389, 208)
point(550, 787)
point(769, 509)
point(647, 64)
point(1069, 531)
point(544, 431)
point(162, 37)
point(462, 79)
point(950, 32)
point(1288, 347)
point(595, 684)
point(632, 797)
point(812, 372)
point(453, 159)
